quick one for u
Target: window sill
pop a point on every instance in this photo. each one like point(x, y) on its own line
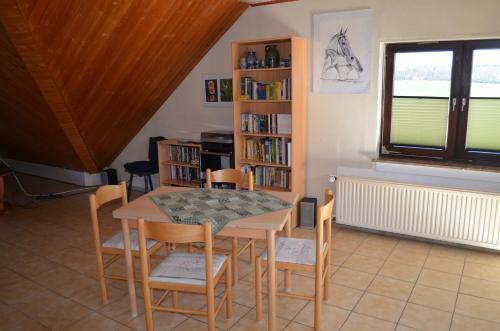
point(437, 168)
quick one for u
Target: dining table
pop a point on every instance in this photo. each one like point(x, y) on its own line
point(264, 226)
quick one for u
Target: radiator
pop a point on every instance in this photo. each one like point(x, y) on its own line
point(463, 217)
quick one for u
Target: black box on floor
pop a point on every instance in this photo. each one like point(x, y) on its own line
point(307, 213)
point(109, 177)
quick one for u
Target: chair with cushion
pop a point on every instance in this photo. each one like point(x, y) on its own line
point(182, 271)
point(241, 180)
point(114, 245)
point(144, 168)
point(303, 255)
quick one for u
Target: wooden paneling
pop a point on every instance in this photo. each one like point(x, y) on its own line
point(28, 128)
point(113, 63)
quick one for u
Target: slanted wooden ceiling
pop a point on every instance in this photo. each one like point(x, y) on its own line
point(79, 79)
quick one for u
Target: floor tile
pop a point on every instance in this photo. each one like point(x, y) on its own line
point(448, 252)
point(452, 266)
point(485, 309)
point(400, 271)
point(248, 322)
point(464, 323)
point(482, 271)
point(358, 322)
point(408, 257)
point(391, 287)
point(380, 307)
point(434, 298)
point(93, 322)
point(224, 323)
point(343, 297)
point(162, 321)
point(480, 288)
point(190, 325)
point(439, 279)
point(351, 278)
point(492, 259)
point(423, 318)
point(332, 317)
point(363, 263)
point(293, 326)
point(370, 250)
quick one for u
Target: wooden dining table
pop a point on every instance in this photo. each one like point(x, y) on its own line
point(264, 226)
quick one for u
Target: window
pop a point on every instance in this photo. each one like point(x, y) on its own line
point(442, 100)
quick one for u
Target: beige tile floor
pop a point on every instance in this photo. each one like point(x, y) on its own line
point(48, 282)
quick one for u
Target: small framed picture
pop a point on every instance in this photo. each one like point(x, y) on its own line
point(218, 90)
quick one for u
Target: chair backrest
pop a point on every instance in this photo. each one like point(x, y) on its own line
point(103, 195)
point(175, 233)
point(230, 176)
point(324, 223)
point(153, 148)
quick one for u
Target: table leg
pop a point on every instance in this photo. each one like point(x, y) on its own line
point(271, 279)
point(130, 267)
point(288, 273)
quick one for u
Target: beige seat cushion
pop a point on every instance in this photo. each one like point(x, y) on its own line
point(117, 241)
point(185, 268)
point(295, 250)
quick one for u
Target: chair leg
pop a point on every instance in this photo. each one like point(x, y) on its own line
point(130, 186)
point(229, 291)
point(148, 309)
point(258, 289)
point(235, 260)
point(252, 251)
point(318, 293)
point(175, 299)
point(150, 182)
point(326, 284)
point(146, 189)
point(211, 309)
point(102, 280)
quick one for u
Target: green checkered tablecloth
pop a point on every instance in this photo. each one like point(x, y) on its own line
point(218, 206)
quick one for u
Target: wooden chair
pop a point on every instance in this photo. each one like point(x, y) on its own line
point(112, 246)
point(303, 255)
point(234, 176)
point(183, 272)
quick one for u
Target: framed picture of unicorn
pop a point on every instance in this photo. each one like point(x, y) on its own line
point(342, 51)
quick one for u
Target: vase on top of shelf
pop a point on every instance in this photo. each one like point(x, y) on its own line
point(251, 59)
point(272, 56)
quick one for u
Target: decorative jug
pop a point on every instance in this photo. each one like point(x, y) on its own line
point(272, 56)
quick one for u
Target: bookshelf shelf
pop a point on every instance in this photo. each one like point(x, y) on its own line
point(184, 183)
point(264, 101)
point(288, 88)
point(265, 164)
point(175, 167)
point(250, 71)
point(264, 135)
point(181, 164)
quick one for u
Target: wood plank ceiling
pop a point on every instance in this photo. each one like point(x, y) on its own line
point(79, 79)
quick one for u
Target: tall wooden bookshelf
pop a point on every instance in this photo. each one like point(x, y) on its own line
point(176, 157)
point(296, 48)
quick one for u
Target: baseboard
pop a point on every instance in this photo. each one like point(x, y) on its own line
point(75, 177)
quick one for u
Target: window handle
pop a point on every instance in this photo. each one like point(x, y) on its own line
point(453, 104)
point(464, 103)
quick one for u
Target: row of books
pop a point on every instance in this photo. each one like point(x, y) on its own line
point(184, 173)
point(268, 176)
point(269, 150)
point(270, 123)
point(190, 155)
point(255, 90)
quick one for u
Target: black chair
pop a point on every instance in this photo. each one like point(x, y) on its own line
point(145, 168)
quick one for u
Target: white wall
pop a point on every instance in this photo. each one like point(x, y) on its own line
point(343, 130)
